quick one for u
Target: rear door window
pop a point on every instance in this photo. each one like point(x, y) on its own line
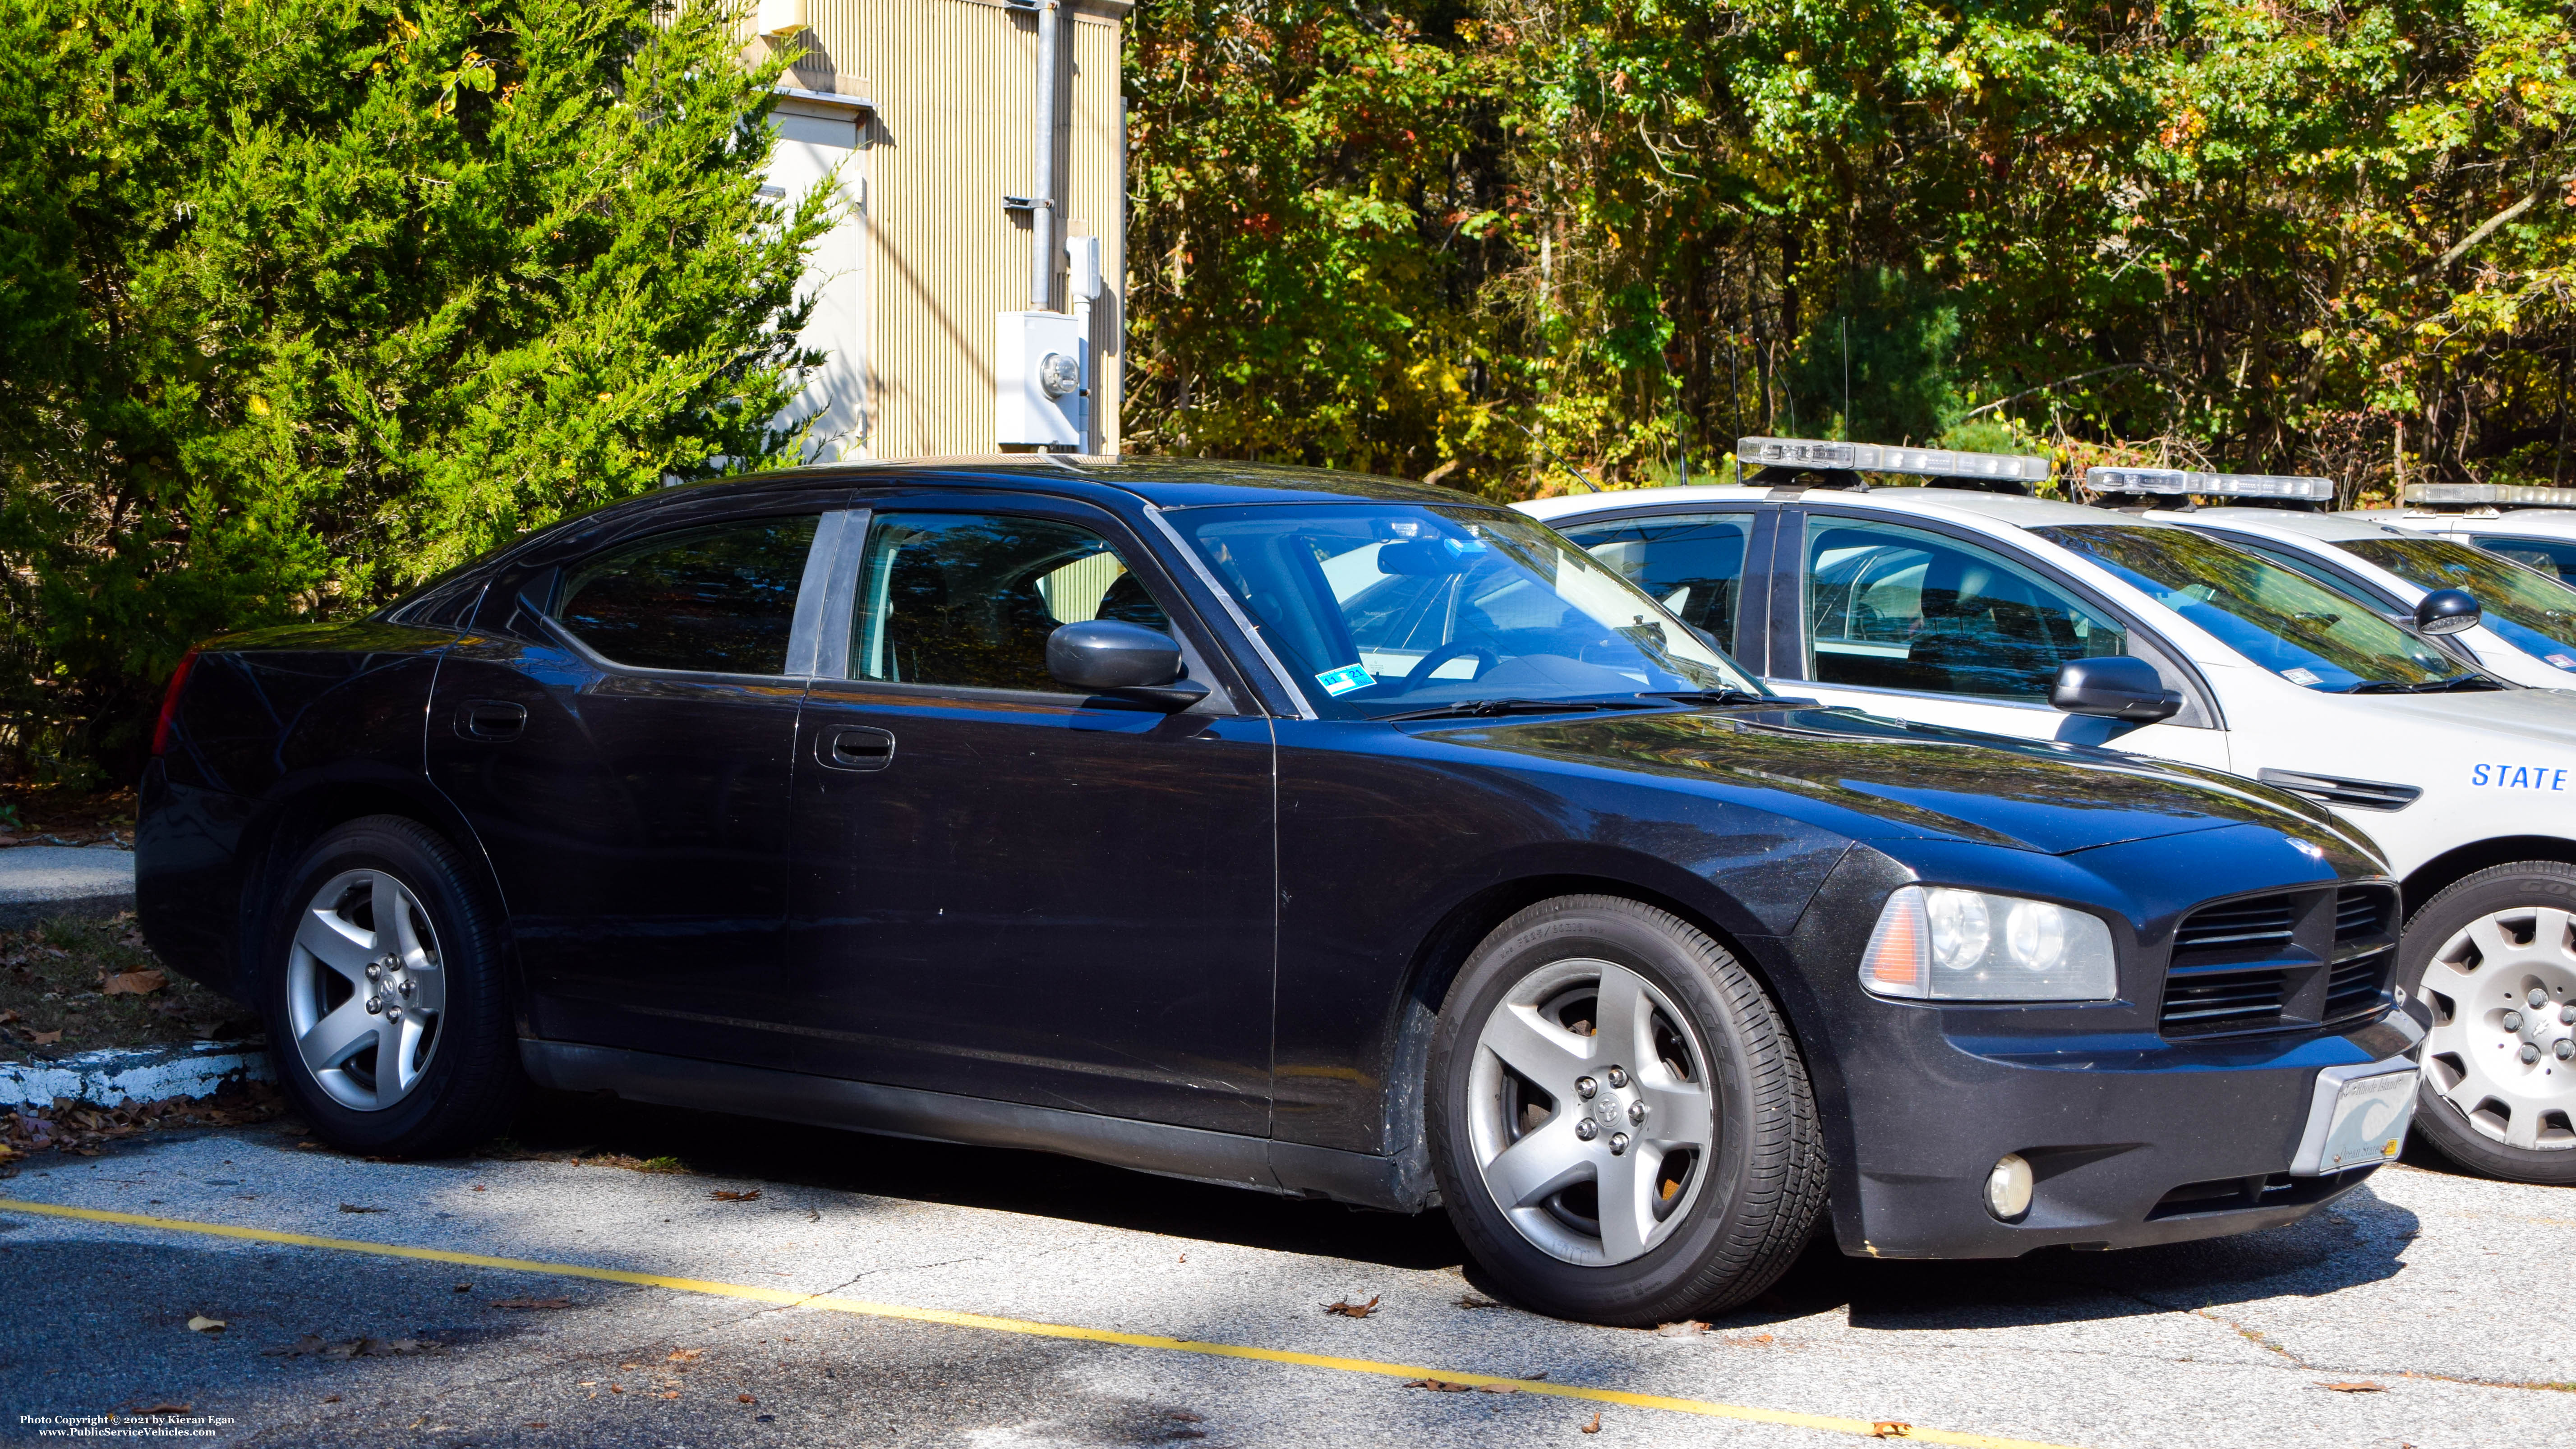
point(1693, 563)
point(713, 600)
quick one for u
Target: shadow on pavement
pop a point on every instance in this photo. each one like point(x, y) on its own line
point(1037, 1183)
point(2356, 1242)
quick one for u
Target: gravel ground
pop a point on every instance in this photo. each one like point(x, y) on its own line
point(2449, 1294)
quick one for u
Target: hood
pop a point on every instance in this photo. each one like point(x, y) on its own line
point(2544, 717)
point(1876, 779)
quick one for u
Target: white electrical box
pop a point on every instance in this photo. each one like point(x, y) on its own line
point(780, 17)
point(1037, 379)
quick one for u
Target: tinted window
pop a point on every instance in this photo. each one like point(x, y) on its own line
point(718, 600)
point(2555, 557)
point(969, 599)
point(1894, 608)
point(1692, 563)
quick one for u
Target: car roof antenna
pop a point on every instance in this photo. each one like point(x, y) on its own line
point(1544, 452)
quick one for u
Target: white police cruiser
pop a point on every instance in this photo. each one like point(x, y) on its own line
point(2525, 629)
point(1968, 603)
point(2531, 525)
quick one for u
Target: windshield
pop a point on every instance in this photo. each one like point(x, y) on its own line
point(1387, 608)
point(2533, 613)
point(2286, 622)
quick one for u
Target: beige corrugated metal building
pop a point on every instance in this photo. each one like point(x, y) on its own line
point(929, 111)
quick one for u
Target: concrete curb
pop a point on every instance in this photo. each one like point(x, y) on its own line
point(145, 1074)
point(44, 882)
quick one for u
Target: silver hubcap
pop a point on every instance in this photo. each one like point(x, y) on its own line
point(1589, 1112)
point(2503, 1044)
point(364, 991)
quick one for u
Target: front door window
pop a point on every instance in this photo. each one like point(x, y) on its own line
point(1693, 563)
point(1907, 609)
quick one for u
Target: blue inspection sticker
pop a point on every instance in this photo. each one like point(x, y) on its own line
point(1345, 679)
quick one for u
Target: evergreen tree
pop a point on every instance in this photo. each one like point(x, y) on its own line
point(303, 301)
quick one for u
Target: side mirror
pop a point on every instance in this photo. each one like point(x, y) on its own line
point(2447, 611)
point(1131, 661)
point(2118, 686)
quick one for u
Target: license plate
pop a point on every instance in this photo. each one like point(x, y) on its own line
point(2369, 1122)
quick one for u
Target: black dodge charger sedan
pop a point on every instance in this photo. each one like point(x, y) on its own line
point(1301, 831)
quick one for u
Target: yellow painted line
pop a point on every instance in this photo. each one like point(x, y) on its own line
point(790, 1298)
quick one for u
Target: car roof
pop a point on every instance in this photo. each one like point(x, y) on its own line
point(1163, 482)
point(2009, 509)
point(2329, 527)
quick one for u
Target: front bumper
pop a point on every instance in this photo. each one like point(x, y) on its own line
point(2132, 1139)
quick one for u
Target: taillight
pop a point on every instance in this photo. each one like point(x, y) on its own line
point(170, 701)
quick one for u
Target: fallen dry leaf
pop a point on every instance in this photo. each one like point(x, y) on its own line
point(687, 1355)
point(45, 1038)
point(333, 1399)
point(617, 1388)
point(1595, 1426)
point(532, 1303)
point(2356, 1386)
point(744, 1399)
point(1438, 1386)
point(670, 1393)
point(167, 1409)
point(464, 1287)
point(1890, 1429)
point(1353, 1310)
point(536, 1423)
point(350, 1207)
point(134, 983)
point(202, 1324)
point(1470, 1300)
point(1687, 1328)
point(721, 1195)
point(1498, 1388)
point(8, 1018)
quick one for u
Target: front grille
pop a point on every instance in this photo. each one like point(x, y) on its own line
point(2260, 924)
point(2354, 985)
point(2281, 961)
point(2214, 1001)
point(2360, 911)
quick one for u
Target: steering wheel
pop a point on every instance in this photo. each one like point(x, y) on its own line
point(1455, 649)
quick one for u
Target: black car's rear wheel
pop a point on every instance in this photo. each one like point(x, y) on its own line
point(387, 1016)
point(1619, 1118)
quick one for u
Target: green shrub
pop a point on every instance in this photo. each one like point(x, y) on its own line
point(303, 301)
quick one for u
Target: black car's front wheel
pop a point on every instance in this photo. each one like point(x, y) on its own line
point(1619, 1117)
point(386, 1011)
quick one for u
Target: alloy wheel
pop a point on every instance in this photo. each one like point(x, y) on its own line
point(2503, 1044)
point(364, 991)
point(1589, 1111)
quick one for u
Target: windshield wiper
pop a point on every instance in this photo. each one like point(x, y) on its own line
point(1480, 708)
point(2453, 684)
point(1721, 697)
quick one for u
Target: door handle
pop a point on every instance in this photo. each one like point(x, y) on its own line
point(855, 747)
point(491, 721)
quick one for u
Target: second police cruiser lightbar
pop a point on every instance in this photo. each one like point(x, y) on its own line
point(2180, 482)
point(2472, 495)
point(1873, 458)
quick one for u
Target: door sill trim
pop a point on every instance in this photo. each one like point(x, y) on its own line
point(1192, 1153)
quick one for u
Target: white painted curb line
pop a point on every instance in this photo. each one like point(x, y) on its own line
point(145, 1074)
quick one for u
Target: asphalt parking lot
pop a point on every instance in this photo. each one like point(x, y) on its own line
point(855, 1290)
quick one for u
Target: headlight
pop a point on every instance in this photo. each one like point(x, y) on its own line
point(1934, 943)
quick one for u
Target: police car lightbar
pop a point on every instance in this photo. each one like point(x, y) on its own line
point(1873, 458)
point(2181, 482)
point(2470, 495)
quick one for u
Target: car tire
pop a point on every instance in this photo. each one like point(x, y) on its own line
point(391, 1045)
point(1673, 1171)
point(2475, 953)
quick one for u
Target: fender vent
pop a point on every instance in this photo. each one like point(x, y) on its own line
point(2335, 790)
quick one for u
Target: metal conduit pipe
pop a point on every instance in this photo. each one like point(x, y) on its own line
point(1043, 208)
